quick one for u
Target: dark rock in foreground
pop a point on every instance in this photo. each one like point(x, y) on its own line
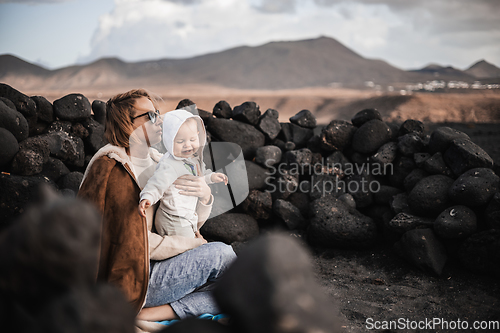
point(463, 155)
point(271, 288)
point(9, 145)
point(333, 224)
point(456, 222)
point(475, 187)
point(422, 248)
point(365, 115)
point(430, 195)
point(337, 135)
point(371, 136)
point(72, 107)
point(304, 118)
point(247, 112)
point(230, 227)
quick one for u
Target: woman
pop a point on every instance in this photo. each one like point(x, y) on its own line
point(170, 287)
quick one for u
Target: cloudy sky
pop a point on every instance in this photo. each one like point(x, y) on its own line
point(407, 34)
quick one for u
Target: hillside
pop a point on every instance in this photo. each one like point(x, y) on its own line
point(483, 69)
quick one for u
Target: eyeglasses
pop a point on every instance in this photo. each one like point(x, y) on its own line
point(153, 115)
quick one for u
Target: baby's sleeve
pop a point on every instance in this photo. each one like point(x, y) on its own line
point(207, 173)
point(159, 183)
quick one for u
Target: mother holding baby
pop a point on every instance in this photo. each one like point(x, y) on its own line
point(163, 277)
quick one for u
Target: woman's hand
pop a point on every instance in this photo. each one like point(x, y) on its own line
point(194, 186)
point(198, 235)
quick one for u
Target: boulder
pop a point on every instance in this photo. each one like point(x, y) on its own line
point(420, 159)
point(269, 124)
point(299, 159)
point(77, 129)
point(67, 148)
point(410, 144)
point(475, 187)
point(27, 163)
point(430, 196)
point(258, 205)
point(360, 187)
point(413, 178)
point(463, 155)
point(72, 107)
point(257, 176)
point(371, 136)
point(480, 253)
point(60, 126)
point(9, 145)
point(337, 135)
point(54, 169)
point(385, 154)
point(248, 112)
point(99, 109)
point(411, 126)
point(365, 115)
point(442, 137)
point(25, 105)
point(435, 165)
point(282, 184)
point(71, 181)
point(8, 102)
point(271, 287)
point(95, 139)
point(401, 168)
point(456, 222)
point(222, 110)
point(422, 248)
point(268, 155)
point(230, 227)
point(301, 201)
point(16, 194)
point(38, 144)
point(399, 203)
point(304, 118)
point(404, 222)
point(385, 194)
point(245, 135)
point(44, 109)
point(296, 134)
point(14, 122)
point(348, 200)
point(334, 224)
point(290, 214)
point(325, 184)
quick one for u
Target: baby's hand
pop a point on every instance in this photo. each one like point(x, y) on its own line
point(218, 177)
point(145, 204)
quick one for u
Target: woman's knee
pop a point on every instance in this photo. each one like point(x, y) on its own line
point(223, 251)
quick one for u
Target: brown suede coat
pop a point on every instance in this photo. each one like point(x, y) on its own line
point(124, 257)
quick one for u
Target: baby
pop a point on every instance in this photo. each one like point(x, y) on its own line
point(183, 135)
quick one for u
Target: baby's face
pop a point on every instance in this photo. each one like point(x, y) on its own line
point(186, 142)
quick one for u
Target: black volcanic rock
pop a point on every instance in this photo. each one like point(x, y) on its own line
point(72, 107)
point(257, 175)
point(304, 118)
point(399, 203)
point(435, 165)
point(9, 145)
point(230, 227)
point(14, 122)
point(8, 102)
point(385, 154)
point(337, 135)
point(54, 169)
point(222, 110)
point(44, 109)
point(258, 204)
point(298, 158)
point(413, 178)
point(385, 194)
point(95, 139)
point(464, 154)
point(404, 222)
point(268, 155)
point(38, 144)
point(475, 187)
point(290, 214)
point(99, 109)
point(401, 168)
point(365, 115)
point(411, 126)
point(410, 144)
point(456, 222)
point(430, 195)
point(247, 112)
point(422, 248)
point(71, 181)
point(60, 126)
point(25, 105)
point(442, 137)
point(371, 136)
point(333, 224)
point(296, 134)
point(69, 149)
point(420, 158)
point(27, 163)
point(245, 135)
point(269, 124)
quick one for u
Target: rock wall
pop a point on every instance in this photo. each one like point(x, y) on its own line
point(355, 184)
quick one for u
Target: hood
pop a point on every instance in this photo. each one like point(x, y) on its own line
point(172, 122)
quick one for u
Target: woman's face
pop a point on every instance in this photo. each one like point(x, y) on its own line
point(143, 105)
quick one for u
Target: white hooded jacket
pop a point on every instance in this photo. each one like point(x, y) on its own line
point(170, 167)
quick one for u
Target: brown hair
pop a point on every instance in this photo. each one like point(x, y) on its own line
point(119, 113)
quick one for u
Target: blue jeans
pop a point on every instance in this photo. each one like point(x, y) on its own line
point(185, 281)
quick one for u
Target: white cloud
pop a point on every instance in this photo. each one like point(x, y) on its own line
point(405, 34)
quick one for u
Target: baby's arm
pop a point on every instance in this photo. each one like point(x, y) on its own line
point(218, 177)
point(156, 186)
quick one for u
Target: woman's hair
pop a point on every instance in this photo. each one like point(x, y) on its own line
point(119, 113)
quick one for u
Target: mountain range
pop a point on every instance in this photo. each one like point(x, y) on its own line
point(277, 65)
